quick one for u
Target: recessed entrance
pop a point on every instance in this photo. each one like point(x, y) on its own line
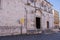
point(47, 24)
point(38, 22)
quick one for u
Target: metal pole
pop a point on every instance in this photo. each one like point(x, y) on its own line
point(26, 19)
point(21, 27)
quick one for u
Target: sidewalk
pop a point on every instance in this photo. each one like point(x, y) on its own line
point(50, 31)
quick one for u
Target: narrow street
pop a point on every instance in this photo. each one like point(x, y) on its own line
point(54, 36)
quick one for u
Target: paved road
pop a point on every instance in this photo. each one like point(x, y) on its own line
point(55, 36)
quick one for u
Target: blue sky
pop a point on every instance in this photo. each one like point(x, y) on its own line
point(56, 4)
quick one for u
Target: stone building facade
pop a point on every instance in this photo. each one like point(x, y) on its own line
point(25, 16)
point(56, 18)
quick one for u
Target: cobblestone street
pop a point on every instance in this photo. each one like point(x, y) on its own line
point(54, 36)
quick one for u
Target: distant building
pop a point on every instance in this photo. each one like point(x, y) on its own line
point(56, 18)
point(25, 16)
point(59, 22)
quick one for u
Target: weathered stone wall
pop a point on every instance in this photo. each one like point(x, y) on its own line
point(13, 10)
point(10, 14)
